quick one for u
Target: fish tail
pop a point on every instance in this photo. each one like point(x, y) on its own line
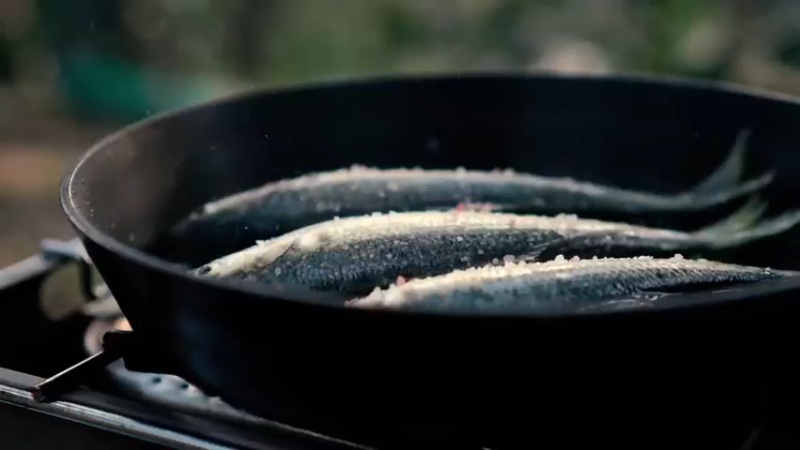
point(625, 245)
point(743, 218)
point(729, 173)
point(727, 182)
point(765, 229)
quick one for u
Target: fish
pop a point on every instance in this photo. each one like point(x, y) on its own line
point(234, 222)
point(353, 255)
point(561, 285)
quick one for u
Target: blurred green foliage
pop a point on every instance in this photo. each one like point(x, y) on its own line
point(72, 70)
point(120, 60)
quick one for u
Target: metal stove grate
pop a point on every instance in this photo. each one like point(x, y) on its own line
point(146, 410)
point(141, 414)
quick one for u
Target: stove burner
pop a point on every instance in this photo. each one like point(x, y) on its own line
point(151, 407)
point(167, 391)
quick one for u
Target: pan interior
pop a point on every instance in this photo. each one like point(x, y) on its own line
point(636, 133)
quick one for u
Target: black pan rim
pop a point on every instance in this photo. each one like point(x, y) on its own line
point(685, 303)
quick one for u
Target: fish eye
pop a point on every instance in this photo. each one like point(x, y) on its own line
point(204, 270)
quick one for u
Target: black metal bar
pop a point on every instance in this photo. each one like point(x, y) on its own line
point(22, 275)
point(166, 427)
point(107, 421)
point(116, 344)
point(69, 379)
point(22, 429)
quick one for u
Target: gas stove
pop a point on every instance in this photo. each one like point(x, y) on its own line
point(116, 407)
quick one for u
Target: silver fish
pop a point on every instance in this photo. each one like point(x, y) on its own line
point(560, 285)
point(233, 222)
point(356, 254)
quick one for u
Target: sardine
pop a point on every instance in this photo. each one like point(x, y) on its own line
point(234, 222)
point(561, 285)
point(355, 254)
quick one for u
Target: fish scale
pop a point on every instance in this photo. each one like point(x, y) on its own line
point(560, 285)
point(379, 261)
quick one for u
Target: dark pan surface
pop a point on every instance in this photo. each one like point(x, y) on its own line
point(695, 373)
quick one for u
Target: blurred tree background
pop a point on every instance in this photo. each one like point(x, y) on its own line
point(71, 70)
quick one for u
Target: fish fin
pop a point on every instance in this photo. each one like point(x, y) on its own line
point(648, 295)
point(749, 187)
point(307, 294)
point(637, 300)
point(771, 227)
point(562, 247)
point(730, 172)
point(727, 182)
point(606, 245)
point(743, 218)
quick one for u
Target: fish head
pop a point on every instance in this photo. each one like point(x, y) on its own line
point(215, 269)
point(251, 262)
